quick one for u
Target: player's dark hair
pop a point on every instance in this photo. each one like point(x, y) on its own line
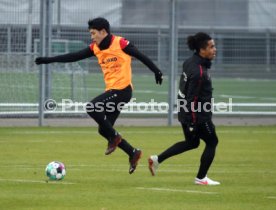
point(198, 41)
point(99, 24)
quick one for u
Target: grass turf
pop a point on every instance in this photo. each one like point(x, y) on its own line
point(244, 164)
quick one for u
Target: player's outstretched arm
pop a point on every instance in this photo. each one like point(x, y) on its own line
point(131, 50)
point(69, 57)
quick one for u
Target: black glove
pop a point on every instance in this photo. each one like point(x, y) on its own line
point(158, 77)
point(42, 60)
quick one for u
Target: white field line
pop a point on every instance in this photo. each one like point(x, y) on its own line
point(176, 190)
point(246, 97)
point(123, 168)
point(172, 171)
point(53, 132)
point(135, 132)
point(249, 132)
point(236, 96)
point(73, 166)
point(151, 91)
point(34, 181)
point(181, 168)
point(271, 197)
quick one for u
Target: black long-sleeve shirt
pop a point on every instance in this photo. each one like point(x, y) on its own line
point(130, 49)
point(195, 90)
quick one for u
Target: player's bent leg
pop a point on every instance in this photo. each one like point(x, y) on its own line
point(102, 133)
point(208, 135)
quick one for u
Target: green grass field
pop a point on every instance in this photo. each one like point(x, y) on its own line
point(244, 164)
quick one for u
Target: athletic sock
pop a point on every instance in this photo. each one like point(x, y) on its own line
point(206, 161)
point(126, 147)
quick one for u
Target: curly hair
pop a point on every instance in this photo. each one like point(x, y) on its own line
point(198, 41)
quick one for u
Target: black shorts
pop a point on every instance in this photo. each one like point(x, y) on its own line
point(205, 131)
point(111, 101)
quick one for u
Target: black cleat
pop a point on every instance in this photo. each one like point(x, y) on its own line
point(112, 145)
point(133, 160)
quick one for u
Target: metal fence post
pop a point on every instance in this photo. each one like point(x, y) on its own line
point(9, 43)
point(173, 35)
point(49, 17)
point(58, 18)
point(29, 36)
point(159, 47)
point(42, 42)
point(267, 50)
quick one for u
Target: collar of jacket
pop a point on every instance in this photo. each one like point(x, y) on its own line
point(105, 43)
point(202, 61)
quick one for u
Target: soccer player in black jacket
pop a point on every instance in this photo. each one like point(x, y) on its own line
point(194, 108)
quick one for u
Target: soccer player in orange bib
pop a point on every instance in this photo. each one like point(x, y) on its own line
point(114, 57)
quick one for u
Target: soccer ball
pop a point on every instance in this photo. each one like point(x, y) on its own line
point(55, 170)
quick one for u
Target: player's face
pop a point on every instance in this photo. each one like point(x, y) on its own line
point(97, 36)
point(210, 51)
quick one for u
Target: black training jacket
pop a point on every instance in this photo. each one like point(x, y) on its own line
point(130, 49)
point(195, 91)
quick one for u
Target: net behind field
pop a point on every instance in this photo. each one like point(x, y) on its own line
point(244, 69)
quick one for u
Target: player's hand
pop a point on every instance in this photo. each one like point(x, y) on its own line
point(42, 60)
point(158, 77)
point(191, 129)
